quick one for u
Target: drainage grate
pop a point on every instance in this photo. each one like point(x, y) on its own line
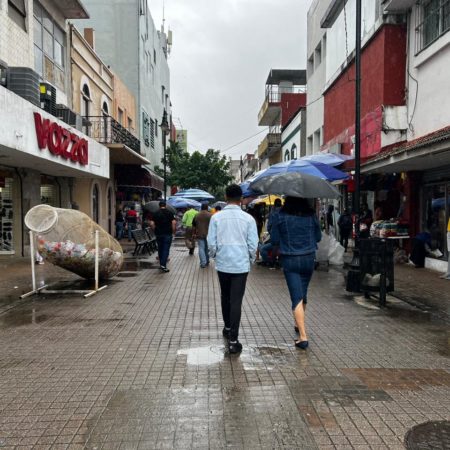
point(429, 436)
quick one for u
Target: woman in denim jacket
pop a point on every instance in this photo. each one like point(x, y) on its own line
point(296, 231)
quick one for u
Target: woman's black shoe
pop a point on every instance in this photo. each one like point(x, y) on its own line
point(302, 344)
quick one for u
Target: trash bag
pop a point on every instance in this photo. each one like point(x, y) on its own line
point(323, 247)
point(66, 238)
point(335, 252)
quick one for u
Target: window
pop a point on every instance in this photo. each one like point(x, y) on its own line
point(49, 47)
point(318, 55)
point(120, 116)
point(162, 94)
point(152, 133)
point(85, 101)
point(294, 151)
point(286, 155)
point(105, 116)
point(130, 124)
point(310, 65)
point(433, 22)
point(18, 13)
point(154, 56)
point(156, 127)
point(146, 129)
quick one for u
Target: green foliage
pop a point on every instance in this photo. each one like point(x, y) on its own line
point(209, 171)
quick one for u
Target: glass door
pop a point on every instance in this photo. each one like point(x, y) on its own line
point(6, 216)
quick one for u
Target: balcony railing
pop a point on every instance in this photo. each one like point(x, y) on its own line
point(270, 144)
point(106, 130)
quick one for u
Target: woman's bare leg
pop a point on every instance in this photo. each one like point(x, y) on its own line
point(299, 317)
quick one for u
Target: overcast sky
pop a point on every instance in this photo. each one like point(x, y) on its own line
point(222, 53)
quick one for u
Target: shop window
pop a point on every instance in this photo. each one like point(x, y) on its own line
point(49, 192)
point(17, 11)
point(49, 47)
point(95, 203)
point(437, 204)
point(6, 215)
point(110, 210)
point(433, 21)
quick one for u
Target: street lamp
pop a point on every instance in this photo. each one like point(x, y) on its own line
point(165, 131)
point(353, 275)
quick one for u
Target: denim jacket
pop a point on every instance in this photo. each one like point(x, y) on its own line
point(232, 240)
point(295, 235)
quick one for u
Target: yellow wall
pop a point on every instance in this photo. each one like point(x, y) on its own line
point(88, 68)
point(124, 99)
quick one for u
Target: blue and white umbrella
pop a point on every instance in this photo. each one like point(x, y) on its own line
point(320, 170)
point(195, 194)
point(183, 203)
point(330, 159)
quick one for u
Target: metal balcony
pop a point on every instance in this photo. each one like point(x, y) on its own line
point(270, 112)
point(269, 145)
point(106, 130)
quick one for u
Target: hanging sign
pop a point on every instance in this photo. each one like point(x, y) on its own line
point(60, 141)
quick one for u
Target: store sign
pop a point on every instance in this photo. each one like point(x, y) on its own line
point(60, 141)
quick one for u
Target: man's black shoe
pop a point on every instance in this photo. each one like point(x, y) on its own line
point(191, 251)
point(226, 333)
point(164, 269)
point(235, 347)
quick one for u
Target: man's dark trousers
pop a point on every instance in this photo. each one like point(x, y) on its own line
point(164, 241)
point(232, 288)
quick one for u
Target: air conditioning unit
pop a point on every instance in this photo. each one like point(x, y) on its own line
point(48, 98)
point(66, 115)
point(24, 81)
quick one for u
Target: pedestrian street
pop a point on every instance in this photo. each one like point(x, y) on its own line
point(142, 364)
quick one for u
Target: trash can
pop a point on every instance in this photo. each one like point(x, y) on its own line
point(66, 238)
point(376, 259)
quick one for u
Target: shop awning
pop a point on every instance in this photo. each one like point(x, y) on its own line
point(139, 177)
point(424, 153)
point(122, 154)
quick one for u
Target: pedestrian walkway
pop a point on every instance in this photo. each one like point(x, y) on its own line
point(143, 365)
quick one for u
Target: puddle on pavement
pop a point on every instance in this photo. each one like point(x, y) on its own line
point(127, 274)
point(136, 265)
point(21, 317)
point(251, 357)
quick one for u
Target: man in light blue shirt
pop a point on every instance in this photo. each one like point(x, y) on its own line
point(232, 241)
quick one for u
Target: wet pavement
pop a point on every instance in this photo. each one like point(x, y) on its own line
point(142, 364)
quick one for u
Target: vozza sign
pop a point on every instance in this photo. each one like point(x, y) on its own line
point(60, 141)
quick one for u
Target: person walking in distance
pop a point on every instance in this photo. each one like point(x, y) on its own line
point(296, 230)
point(165, 225)
point(187, 220)
point(232, 241)
point(200, 232)
point(345, 224)
point(132, 220)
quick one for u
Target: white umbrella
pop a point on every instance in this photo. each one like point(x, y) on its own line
point(295, 184)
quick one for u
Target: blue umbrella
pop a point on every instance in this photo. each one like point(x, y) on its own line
point(306, 167)
point(182, 203)
point(245, 186)
point(195, 194)
point(331, 159)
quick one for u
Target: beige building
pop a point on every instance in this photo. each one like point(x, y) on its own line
point(107, 109)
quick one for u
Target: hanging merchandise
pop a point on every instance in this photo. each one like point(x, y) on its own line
point(65, 237)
